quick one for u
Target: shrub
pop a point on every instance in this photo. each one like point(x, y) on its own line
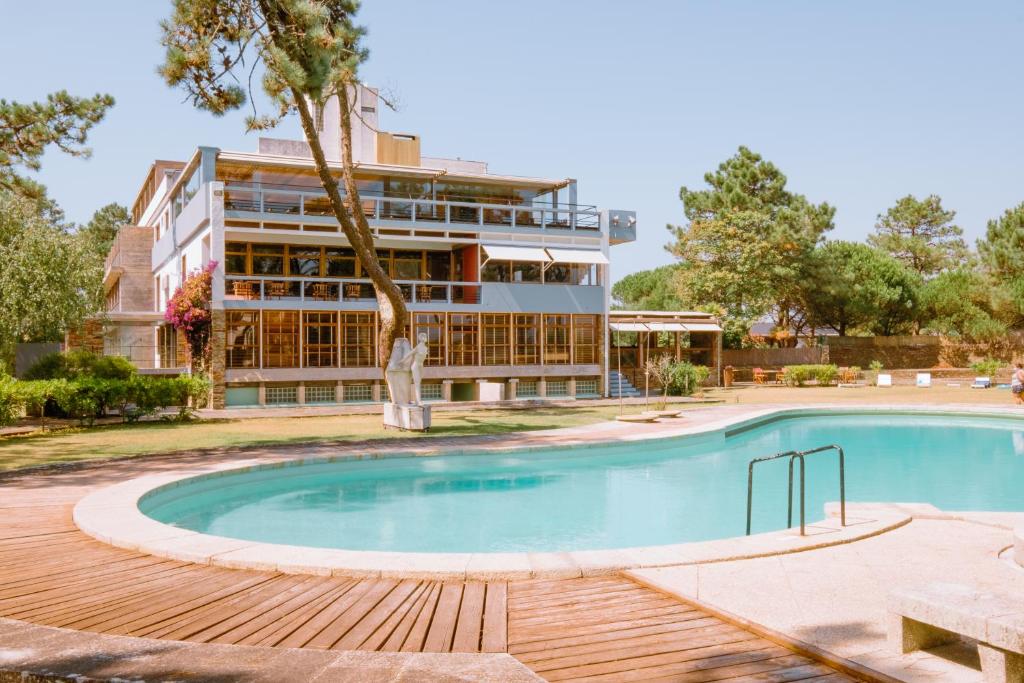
point(80, 363)
point(10, 400)
point(189, 312)
point(988, 367)
point(687, 378)
point(799, 375)
point(876, 366)
point(826, 374)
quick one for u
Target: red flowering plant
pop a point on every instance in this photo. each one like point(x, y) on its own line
point(189, 312)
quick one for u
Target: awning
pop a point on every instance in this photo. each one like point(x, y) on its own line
point(702, 327)
point(666, 327)
point(505, 253)
point(628, 327)
point(591, 256)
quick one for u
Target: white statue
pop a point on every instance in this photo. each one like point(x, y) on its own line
point(419, 356)
point(404, 373)
point(399, 372)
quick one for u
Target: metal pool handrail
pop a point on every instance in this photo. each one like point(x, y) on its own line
point(798, 455)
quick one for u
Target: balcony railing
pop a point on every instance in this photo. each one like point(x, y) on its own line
point(147, 356)
point(255, 199)
point(249, 288)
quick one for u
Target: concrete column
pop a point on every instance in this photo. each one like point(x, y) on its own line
point(542, 387)
point(300, 394)
point(572, 387)
point(218, 335)
point(339, 392)
point(376, 395)
point(262, 394)
point(511, 389)
point(446, 390)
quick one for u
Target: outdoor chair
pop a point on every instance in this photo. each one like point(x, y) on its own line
point(759, 376)
point(276, 290)
point(243, 290)
point(321, 291)
point(982, 383)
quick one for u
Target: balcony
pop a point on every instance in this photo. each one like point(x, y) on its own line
point(148, 357)
point(331, 290)
point(312, 209)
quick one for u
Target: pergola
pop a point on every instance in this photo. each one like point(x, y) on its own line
point(636, 336)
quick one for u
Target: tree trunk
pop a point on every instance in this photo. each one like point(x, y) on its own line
point(394, 316)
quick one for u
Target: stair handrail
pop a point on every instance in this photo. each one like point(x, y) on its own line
point(799, 455)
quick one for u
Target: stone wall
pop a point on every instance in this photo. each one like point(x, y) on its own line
point(218, 335)
point(88, 337)
point(893, 352)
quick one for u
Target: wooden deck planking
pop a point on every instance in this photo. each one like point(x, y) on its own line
point(612, 629)
point(52, 574)
point(595, 629)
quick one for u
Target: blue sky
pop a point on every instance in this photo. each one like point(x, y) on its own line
point(858, 102)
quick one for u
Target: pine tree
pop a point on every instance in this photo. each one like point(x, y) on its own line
point(26, 130)
point(99, 233)
point(1002, 255)
point(921, 234)
point(310, 51)
point(747, 241)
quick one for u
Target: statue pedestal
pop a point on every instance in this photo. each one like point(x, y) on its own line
point(408, 417)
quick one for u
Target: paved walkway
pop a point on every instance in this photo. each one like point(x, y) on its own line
point(835, 598)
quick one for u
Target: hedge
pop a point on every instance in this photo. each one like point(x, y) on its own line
point(798, 375)
point(87, 398)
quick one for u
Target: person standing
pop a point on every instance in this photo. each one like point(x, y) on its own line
point(1017, 383)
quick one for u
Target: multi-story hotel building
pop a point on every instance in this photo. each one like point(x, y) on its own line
point(507, 275)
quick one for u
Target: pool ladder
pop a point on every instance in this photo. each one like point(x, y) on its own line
point(798, 455)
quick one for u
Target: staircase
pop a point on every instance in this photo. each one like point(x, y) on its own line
point(618, 385)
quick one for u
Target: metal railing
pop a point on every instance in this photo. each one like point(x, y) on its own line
point(798, 455)
point(262, 288)
point(311, 203)
point(147, 356)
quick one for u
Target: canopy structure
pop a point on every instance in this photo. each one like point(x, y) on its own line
point(502, 252)
point(692, 336)
point(586, 256)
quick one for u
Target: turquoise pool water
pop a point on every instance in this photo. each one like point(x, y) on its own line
point(654, 493)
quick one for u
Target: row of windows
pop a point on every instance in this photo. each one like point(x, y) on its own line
point(294, 260)
point(315, 339)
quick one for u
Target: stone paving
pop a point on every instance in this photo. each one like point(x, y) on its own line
point(835, 598)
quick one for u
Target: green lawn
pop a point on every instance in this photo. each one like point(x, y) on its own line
point(164, 437)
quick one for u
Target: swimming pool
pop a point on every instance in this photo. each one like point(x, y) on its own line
point(600, 497)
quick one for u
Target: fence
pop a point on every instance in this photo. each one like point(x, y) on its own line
point(773, 358)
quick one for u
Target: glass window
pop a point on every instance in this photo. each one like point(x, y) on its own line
point(496, 271)
point(525, 271)
point(357, 346)
point(304, 261)
point(280, 339)
point(496, 338)
point(462, 338)
point(321, 339)
point(236, 258)
point(527, 339)
point(341, 262)
point(439, 266)
point(242, 339)
point(408, 265)
point(432, 324)
point(268, 259)
point(556, 339)
point(586, 330)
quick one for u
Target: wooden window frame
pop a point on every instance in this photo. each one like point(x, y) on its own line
point(253, 350)
point(462, 325)
point(277, 353)
point(496, 350)
point(319, 354)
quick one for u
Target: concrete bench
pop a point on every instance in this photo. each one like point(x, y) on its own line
point(942, 613)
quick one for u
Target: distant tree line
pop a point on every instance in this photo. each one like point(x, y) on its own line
point(751, 250)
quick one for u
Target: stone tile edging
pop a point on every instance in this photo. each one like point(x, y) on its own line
point(112, 515)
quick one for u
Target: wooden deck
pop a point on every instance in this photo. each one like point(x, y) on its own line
point(596, 629)
point(612, 629)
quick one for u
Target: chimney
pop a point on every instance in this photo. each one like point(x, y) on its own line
point(364, 126)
